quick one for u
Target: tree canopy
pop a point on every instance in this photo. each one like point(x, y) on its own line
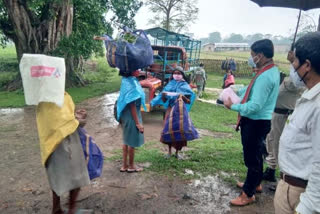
point(62, 27)
point(173, 15)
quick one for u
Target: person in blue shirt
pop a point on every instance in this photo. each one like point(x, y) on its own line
point(255, 113)
point(128, 109)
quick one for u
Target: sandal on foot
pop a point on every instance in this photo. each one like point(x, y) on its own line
point(123, 169)
point(135, 170)
point(82, 211)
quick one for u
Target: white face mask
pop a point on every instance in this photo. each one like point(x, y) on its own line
point(251, 62)
point(295, 78)
point(177, 77)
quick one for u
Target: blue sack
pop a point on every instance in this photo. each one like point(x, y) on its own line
point(128, 56)
point(95, 158)
point(229, 64)
point(178, 125)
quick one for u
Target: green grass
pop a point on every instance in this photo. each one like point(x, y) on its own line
point(95, 89)
point(215, 80)
point(239, 55)
point(212, 118)
point(242, 56)
point(209, 95)
point(8, 59)
point(205, 156)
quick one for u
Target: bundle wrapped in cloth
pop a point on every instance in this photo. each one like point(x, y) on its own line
point(130, 52)
point(178, 125)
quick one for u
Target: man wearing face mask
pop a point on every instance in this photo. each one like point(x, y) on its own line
point(299, 152)
point(255, 113)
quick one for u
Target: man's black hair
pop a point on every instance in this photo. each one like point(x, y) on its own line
point(264, 46)
point(308, 47)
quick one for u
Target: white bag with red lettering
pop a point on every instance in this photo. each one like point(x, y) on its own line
point(43, 79)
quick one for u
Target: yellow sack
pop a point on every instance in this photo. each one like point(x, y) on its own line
point(54, 124)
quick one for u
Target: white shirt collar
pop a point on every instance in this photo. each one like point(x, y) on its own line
point(311, 93)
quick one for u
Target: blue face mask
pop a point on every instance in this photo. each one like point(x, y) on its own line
point(251, 62)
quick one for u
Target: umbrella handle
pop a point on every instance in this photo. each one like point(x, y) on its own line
point(295, 34)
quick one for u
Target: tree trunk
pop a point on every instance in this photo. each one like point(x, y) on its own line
point(44, 37)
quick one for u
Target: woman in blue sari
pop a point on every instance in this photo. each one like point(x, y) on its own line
point(177, 86)
point(129, 115)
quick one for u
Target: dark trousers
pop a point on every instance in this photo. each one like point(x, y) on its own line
point(253, 135)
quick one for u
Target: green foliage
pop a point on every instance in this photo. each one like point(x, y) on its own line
point(124, 11)
point(6, 77)
point(173, 15)
point(88, 20)
point(102, 73)
point(234, 38)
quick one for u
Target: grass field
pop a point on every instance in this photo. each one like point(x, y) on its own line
point(206, 156)
point(239, 55)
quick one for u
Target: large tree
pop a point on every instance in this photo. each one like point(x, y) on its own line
point(234, 38)
point(173, 15)
point(62, 27)
point(215, 37)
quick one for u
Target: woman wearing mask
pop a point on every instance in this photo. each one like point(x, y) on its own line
point(177, 86)
point(129, 115)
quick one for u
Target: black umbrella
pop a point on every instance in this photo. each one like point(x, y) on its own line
point(298, 4)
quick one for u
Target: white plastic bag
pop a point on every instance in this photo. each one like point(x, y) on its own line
point(43, 79)
point(229, 93)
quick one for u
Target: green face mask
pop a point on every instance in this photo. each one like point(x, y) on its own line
point(253, 74)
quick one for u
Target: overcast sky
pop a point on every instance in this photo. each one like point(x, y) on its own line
point(237, 16)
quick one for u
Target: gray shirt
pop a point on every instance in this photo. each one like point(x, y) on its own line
point(288, 95)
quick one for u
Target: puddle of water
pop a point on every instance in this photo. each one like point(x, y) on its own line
point(212, 195)
point(16, 115)
point(108, 102)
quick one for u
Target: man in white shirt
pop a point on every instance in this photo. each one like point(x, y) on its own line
point(299, 154)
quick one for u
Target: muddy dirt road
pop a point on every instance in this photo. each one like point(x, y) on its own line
point(24, 187)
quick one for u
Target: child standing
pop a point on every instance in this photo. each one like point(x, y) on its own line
point(61, 151)
point(129, 115)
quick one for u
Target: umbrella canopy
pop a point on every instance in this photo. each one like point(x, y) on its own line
point(298, 4)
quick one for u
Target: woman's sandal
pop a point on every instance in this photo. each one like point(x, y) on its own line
point(135, 170)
